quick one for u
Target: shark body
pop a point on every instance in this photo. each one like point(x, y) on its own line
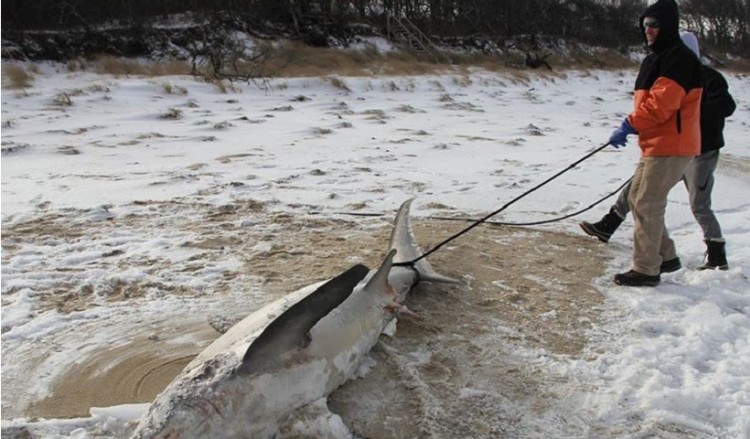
point(289, 353)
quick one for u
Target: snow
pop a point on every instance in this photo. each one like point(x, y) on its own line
point(467, 142)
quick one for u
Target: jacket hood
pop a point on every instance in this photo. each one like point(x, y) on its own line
point(691, 42)
point(667, 13)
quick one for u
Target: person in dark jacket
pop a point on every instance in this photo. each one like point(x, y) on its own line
point(666, 117)
point(716, 105)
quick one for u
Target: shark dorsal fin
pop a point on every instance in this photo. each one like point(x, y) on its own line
point(379, 280)
point(289, 330)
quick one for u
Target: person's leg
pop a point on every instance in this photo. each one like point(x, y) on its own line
point(699, 180)
point(717, 255)
point(632, 277)
point(667, 250)
point(656, 176)
point(621, 206)
point(605, 227)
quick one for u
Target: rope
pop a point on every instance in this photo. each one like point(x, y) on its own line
point(508, 204)
point(536, 223)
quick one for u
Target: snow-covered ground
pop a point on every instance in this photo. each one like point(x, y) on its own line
point(121, 196)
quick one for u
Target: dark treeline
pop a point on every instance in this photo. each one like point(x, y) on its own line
point(610, 23)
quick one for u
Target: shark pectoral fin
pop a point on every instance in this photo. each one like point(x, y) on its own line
point(288, 332)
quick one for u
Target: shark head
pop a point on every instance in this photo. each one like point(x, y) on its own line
point(191, 404)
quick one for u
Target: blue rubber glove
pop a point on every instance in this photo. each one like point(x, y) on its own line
point(620, 136)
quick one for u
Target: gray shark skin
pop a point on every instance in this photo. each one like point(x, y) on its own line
point(289, 353)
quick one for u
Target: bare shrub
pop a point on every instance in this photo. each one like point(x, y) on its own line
point(223, 85)
point(62, 100)
point(321, 131)
point(223, 125)
point(99, 88)
point(462, 81)
point(220, 55)
point(172, 113)
point(171, 89)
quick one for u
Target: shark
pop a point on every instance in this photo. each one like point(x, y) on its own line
point(290, 353)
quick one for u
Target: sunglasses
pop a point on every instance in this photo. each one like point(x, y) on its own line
point(654, 24)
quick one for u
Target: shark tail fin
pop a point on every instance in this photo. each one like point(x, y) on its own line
point(404, 242)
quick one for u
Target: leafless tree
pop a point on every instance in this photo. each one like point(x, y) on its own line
point(720, 23)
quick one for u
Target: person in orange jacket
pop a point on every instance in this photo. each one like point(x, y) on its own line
point(666, 117)
point(716, 105)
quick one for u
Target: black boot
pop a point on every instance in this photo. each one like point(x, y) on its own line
point(670, 266)
point(717, 256)
point(633, 278)
point(604, 228)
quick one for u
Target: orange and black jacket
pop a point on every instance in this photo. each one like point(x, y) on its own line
point(667, 91)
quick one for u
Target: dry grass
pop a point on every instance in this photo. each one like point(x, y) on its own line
point(169, 68)
point(338, 83)
point(292, 59)
point(76, 65)
point(738, 66)
point(16, 77)
point(297, 60)
point(118, 66)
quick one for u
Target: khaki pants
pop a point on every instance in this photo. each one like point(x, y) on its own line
point(699, 181)
point(654, 178)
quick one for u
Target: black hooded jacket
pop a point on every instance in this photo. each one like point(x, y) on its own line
point(716, 105)
point(667, 90)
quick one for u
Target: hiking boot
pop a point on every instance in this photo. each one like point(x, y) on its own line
point(604, 228)
point(633, 278)
point(670, 266)
point(717, 256)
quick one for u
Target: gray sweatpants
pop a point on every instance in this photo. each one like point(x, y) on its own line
point(699, 181)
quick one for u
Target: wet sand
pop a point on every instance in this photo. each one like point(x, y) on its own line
point(462, 366)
